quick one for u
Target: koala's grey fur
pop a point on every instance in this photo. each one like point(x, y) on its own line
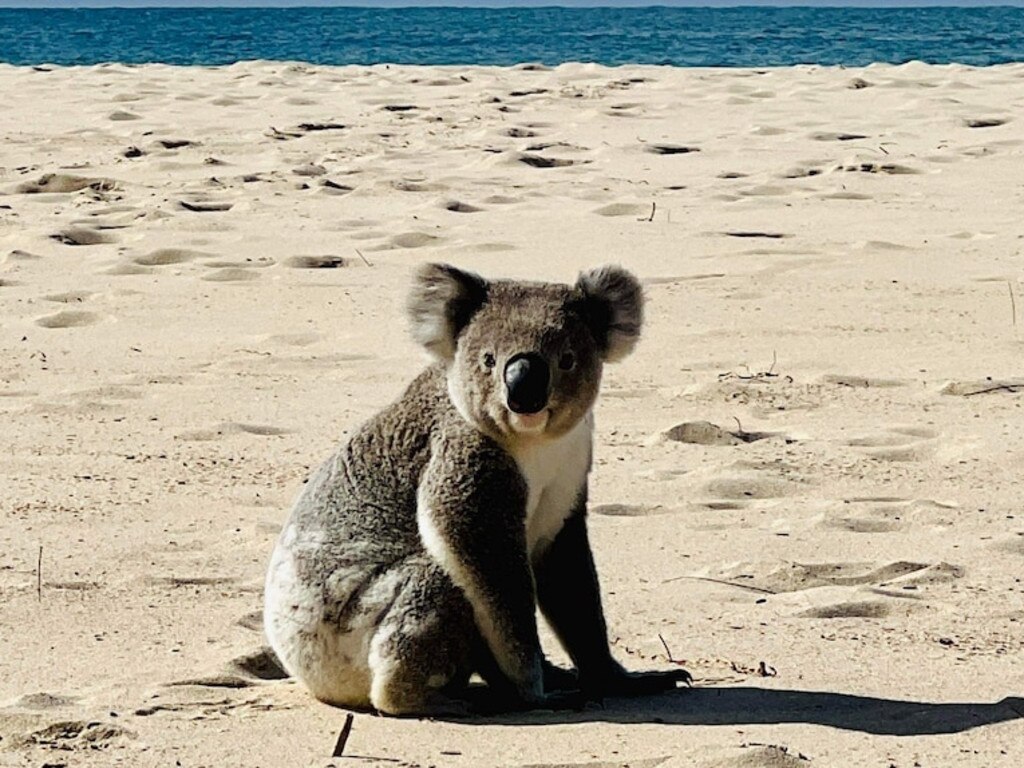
point(419, 552)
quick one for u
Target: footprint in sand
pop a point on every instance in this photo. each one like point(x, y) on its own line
point(232, 428)
point(621, 209)
point(889, 169)
point(748, 485)
point(68, 297)
point(706, 433)
point(749, 234)
point(520, 133)
point(205, 206)
point(410, 185)
point(628, 510)
point(670, 149)
point(120, 116)
point(413, 240)
point(261, 263)
point(44, 701)
point(985, 122)
point(68, 318)
point(836, 136)
point(231, 275)
point(128, 268)
point(539, 161)
point(63, 183)
point(896, 443)
point(165, 256)
point(246, 671)
point(82, 236)
point(457, 206)
point(318, 262)
point(72, 735)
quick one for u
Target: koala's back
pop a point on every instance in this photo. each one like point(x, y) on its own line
point(351, 542)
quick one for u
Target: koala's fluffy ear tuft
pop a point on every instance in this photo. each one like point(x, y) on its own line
point(442, 302)
point(613, 305)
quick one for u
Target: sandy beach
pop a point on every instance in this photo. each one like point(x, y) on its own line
point(807, 484)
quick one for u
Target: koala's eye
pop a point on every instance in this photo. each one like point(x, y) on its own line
point(567, 361)
point(489, 361)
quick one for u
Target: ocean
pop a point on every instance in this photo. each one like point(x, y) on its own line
point(724, 37)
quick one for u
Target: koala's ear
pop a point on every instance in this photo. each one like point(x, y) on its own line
point(442, 302)
point(612, 303)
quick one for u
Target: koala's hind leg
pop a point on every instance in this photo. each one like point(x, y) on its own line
point(421, 654)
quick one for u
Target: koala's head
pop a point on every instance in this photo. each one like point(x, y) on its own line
point(525, 359)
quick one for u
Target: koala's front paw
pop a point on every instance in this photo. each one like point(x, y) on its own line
point(619, 682)
point(646, 683)
point(557, 679)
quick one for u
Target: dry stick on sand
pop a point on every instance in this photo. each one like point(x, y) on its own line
point(366, 261)
point(654, 207)
point(722, 581)
point(1013, 304)
point(346, 729)
point(39, 574)
point(667, 651)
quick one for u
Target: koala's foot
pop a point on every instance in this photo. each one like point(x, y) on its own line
point(420, 651)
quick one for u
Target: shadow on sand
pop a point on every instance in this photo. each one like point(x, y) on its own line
point(760, 706)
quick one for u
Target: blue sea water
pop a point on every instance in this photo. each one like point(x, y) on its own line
point(748, 37)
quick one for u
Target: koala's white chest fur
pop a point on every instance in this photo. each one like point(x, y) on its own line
point(555, 473)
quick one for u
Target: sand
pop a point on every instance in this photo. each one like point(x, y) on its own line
point(808, 477)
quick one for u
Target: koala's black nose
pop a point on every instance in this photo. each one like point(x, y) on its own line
point(527, 377)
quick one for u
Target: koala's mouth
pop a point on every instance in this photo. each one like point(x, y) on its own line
point(529, 423)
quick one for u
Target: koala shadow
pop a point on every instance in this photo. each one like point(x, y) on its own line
point(767, 706)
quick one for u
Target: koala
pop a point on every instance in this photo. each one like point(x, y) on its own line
point(419, 553)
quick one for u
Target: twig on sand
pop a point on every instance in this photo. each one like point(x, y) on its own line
point(1013, 303)
point(759, 376)
point(39, 574)
point(1011, 388)
point(366, 261)
point(346, 730)
point(654, 207)
point(721, 581)
point(665, 646)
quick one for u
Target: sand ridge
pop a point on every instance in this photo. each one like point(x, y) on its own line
point(807, 477)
